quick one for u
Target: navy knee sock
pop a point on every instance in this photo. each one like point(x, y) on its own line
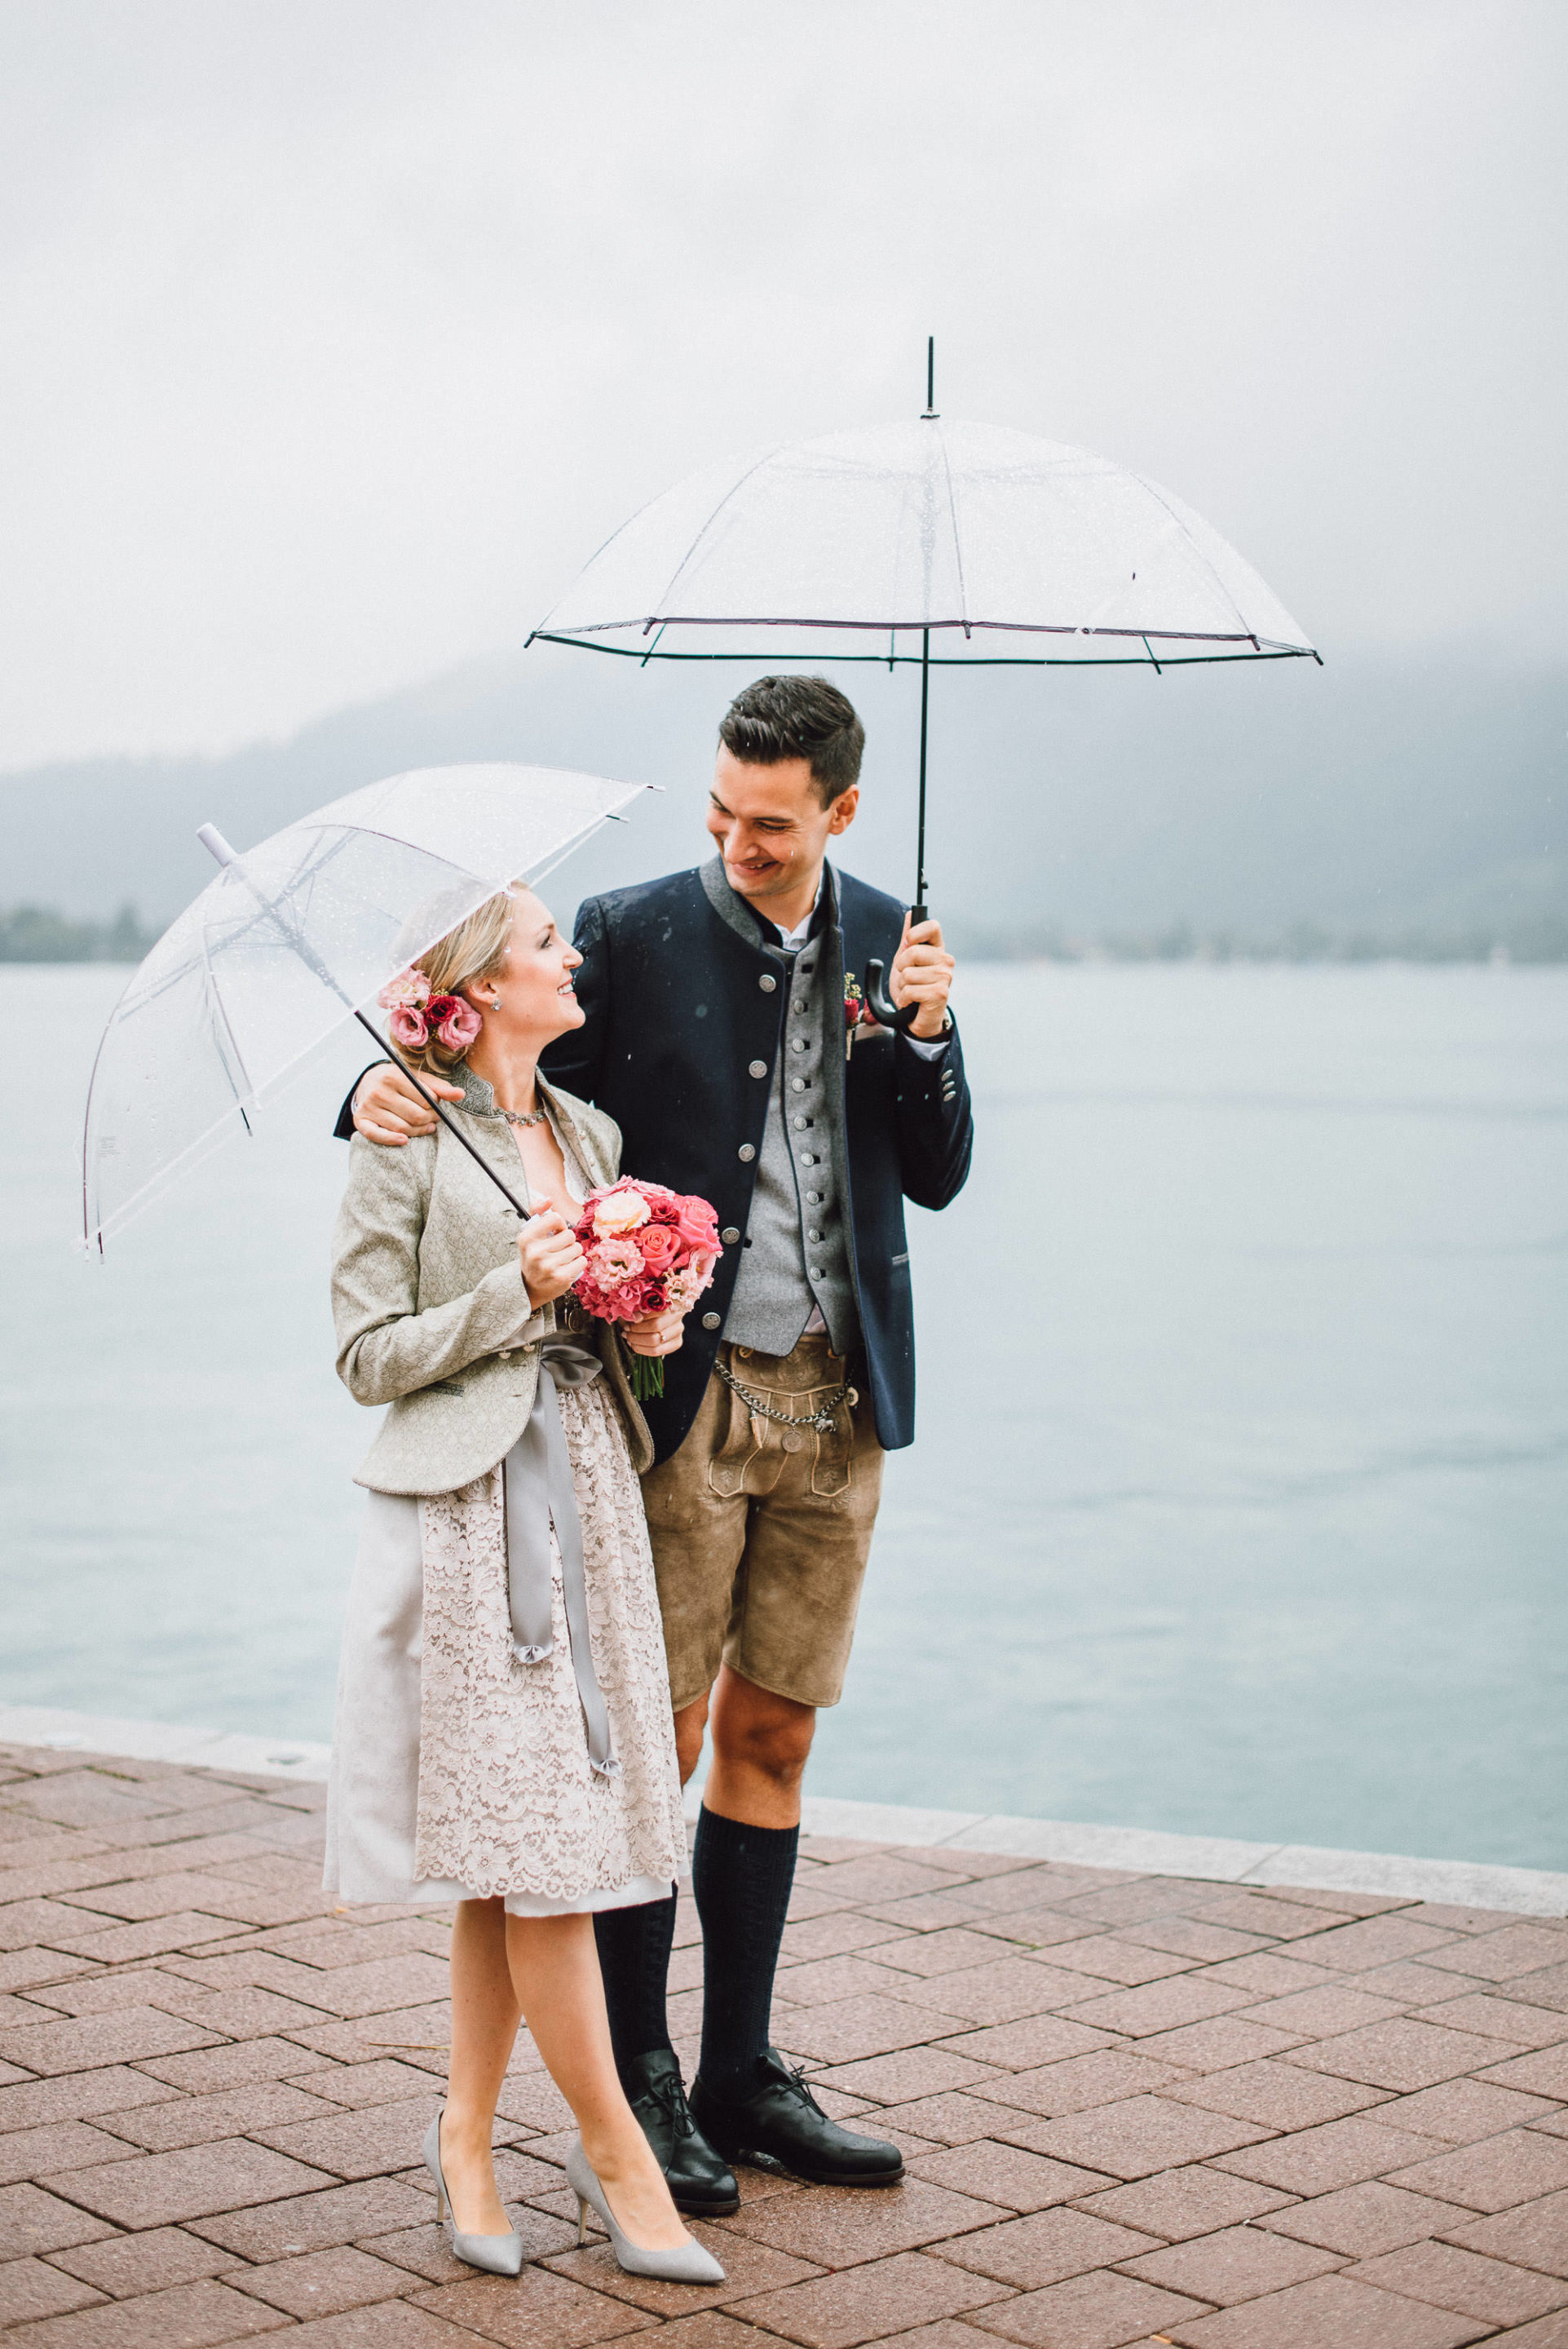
point(634, 1959)
point(741, 1877)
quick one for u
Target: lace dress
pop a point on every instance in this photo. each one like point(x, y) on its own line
point(460, 1773)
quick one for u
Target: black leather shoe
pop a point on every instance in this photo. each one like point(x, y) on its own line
point(699, 2183)
point(780, 2125)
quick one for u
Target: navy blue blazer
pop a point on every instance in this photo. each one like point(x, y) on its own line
point(675, 1017)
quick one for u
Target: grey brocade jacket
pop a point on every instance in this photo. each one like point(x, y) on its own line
point(428, 1299)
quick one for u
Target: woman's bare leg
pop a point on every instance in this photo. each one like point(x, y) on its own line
point(485, 2016)
point(555, 1974)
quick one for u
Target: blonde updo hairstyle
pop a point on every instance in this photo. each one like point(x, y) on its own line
point(475, 948)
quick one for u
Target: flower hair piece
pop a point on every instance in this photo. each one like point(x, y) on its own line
point(416, 1015)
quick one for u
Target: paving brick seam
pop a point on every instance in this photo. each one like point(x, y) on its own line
point(1102, 1947)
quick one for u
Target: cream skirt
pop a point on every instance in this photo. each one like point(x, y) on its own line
point(459, 1773)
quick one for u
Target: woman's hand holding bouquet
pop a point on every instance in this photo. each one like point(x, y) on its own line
point(648, 1254)
point(551, 1256)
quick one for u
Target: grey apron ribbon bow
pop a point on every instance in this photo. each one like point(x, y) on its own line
point(538, 1488)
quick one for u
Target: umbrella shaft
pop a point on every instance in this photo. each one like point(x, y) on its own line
point(454, 1130)
point(918, 909)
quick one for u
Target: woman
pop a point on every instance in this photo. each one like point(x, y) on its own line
point(504, 1736)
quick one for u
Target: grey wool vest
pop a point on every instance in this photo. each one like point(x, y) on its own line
point(795, 1255)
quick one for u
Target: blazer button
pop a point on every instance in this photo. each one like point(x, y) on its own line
point(747, 1153)
point(759, 1068)
point(710, 1320)
point(730, 1236)
point(768, 983)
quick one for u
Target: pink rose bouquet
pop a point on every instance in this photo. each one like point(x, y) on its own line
point(648, 1249)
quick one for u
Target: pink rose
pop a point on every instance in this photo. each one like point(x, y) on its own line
point(461, 1026)
point(660, 1246)
point(411, 986)
point(410, 1027)
point(611, 1263)
point(698, 1224)
point(620, 1210)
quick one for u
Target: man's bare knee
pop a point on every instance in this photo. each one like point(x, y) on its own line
point(771, 1736)
point(691, 1722)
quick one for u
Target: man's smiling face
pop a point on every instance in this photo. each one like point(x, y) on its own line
point(771, 827)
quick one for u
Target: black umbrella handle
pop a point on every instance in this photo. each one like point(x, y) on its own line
point(880, 1004)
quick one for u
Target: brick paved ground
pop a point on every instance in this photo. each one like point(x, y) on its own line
point(1134, 2109)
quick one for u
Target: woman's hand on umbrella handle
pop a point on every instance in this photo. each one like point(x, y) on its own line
point(550, 1256)
point(388, 1108)
point(923, 975)
point(656, 1333)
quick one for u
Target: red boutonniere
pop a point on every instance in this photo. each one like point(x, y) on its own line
point(854, 1010)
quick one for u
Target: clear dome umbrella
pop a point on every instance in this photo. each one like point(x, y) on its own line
point(296, 936)
point(935, 542)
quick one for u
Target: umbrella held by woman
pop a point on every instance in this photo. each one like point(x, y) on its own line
point(503, 1732)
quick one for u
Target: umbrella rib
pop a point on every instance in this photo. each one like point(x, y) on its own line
point(957, 544)
point(1188, 539)
point(736, 486)
point(88, 1118)
point(313, 962)
point(216, 995)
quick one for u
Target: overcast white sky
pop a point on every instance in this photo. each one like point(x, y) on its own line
point(337, 332)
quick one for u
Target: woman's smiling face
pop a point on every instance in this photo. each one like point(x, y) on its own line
point(533, 983)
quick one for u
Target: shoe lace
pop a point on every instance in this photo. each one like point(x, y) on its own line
point(797, 2079)
point(669, 2093)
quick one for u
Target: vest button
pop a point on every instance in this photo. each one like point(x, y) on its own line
point(768, 982)
point(710, 1320)
point(730, 1236)
point(759, 1068)
point(747, 1153)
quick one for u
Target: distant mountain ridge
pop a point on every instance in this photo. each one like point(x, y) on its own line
point(1380, 795)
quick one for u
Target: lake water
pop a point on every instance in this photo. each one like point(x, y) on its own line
point(1239, 1501)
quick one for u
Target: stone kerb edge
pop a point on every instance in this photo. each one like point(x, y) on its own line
point(1534, 1892)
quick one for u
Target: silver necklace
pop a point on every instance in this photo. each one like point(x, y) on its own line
point(516, 1117)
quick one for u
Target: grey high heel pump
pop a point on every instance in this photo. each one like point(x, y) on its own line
point(496, 2255)
point(687, 2264)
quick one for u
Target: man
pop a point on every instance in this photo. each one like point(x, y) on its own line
point(722, 1035)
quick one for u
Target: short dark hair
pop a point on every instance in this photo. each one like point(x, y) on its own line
point(780, 717)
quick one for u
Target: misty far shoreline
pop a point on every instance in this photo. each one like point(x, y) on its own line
point(35, 936)
point(1387, 806)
